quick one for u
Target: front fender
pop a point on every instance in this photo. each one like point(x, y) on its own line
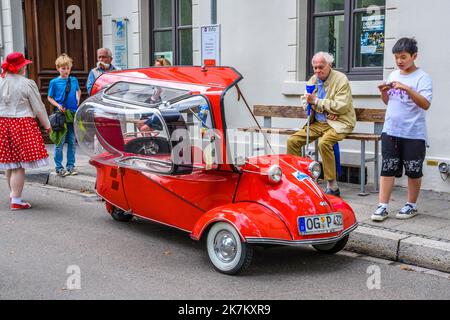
point(250, 220)
point(341, 206)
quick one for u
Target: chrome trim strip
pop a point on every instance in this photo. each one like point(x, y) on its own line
point(159, 222)
point(104, 199)
point(301, 242)
point(144, 218)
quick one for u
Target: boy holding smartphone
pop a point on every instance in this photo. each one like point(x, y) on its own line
point(408, 94)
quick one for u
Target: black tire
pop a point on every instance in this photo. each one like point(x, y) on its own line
point(332, 248)
point(121, 216)
point(241, 257)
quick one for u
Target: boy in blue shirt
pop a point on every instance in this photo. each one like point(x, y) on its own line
point(64, 94)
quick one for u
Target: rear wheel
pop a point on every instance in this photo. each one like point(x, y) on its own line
point(332, 248)
point(120, 215)
point(226, 251)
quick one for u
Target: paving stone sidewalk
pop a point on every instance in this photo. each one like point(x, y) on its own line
point(423, 241)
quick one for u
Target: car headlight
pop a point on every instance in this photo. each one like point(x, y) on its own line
point(275, 174)
point(315, 169)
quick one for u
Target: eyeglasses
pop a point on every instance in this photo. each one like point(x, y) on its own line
point(103, 57)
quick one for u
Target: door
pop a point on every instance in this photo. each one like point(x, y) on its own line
point(54, 27)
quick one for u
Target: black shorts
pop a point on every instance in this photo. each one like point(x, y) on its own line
point(399, 153)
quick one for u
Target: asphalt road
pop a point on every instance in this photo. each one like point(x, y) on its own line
point(141, 260)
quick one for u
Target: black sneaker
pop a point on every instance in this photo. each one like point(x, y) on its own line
point(336, 193)
point(407, 212)
point(380, 214)
point(72, 172)
point(62, 173)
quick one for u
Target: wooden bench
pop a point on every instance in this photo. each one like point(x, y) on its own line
point(375, 116)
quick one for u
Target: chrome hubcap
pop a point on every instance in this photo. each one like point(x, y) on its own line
point(225, 246)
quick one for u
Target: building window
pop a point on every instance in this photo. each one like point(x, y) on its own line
point(172, 30)
point(353, 31)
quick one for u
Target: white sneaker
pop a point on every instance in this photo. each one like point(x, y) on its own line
point(407, 212)
point(380, 214)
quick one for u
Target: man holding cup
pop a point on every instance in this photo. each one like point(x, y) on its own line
point(104, 65)
point(332, 118)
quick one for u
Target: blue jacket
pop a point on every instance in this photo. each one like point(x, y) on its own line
point(95, 74)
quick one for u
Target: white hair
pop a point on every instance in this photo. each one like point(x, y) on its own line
point(107, 51)
point(328, 58)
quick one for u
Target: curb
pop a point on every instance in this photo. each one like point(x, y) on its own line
point(428, 253)
point(376, 243)
point(79, 183)
point(401, 247)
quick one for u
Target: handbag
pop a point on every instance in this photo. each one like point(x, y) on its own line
point(58, 119)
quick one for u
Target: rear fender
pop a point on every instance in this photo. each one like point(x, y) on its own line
point(250, 220)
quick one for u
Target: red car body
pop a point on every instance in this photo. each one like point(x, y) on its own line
point(245, 197)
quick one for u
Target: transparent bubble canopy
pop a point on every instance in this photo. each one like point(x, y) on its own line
point(144, 127)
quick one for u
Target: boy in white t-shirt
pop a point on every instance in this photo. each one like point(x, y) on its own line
point(408, 94)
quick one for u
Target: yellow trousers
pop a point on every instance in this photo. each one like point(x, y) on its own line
point(328, 137)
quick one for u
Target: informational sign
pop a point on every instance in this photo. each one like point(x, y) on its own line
point(120, 42)
point(372, 35)
point(210, 37)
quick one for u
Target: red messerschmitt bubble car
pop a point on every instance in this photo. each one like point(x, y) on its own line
point(181, 147)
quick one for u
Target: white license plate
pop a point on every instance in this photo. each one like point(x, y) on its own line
point(328, 223)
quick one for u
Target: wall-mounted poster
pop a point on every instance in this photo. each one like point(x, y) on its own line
point(372, 35)
point(166, 55)
point(120, 43)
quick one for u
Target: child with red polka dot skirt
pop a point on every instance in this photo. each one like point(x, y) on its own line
point(21, 144)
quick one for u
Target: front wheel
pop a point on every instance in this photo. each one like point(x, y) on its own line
point(228, 254)
point(120, 215)
point(332, 248)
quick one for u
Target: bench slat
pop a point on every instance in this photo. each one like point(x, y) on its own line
point(364, 137)
point(292, 112)
point(370, 115)
point(279, 111)
point(283, 131)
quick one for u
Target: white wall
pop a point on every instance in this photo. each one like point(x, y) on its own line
point(265, 40)
point(428, 22)
point(137, 13)
point(12, 36)
point(256, 39)
point(201, 16)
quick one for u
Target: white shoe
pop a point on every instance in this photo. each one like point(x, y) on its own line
point(380, 214)
point(407, 212)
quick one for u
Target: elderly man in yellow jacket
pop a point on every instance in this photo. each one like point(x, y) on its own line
point(333, 117)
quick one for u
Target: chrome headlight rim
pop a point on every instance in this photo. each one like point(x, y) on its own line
point(315, 174)
point(275, 174)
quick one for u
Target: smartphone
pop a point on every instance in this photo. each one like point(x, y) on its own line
point(386, 86)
